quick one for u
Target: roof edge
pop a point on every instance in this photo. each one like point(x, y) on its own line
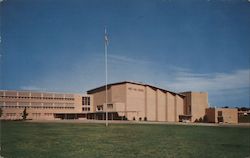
point(132, 82)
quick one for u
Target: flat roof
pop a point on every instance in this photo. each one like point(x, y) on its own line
point(131, 82)
point(37, 91)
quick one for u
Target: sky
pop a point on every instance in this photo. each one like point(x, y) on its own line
point(178, 45)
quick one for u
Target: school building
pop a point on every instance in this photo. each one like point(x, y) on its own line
point(125, 100)
point(43, 105)
point(137, 101)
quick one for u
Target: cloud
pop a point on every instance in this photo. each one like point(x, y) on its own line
point(32, 88)
point(175, 68)
point(210, 82)
point(224, 89)
point(125, 59)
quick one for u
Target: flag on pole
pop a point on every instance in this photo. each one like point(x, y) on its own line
point(106, 37)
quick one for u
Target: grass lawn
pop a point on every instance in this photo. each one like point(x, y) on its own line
point(24, 139)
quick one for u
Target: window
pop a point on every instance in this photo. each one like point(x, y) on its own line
point(219, 113)
point(88, 103)
point(48, 114)
point(85, 109)
point(110, 106)
point(36, 114)
point(85, 100)
point(11, 114)
point(99, 107)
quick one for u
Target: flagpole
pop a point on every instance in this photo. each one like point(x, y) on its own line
point(106, 75)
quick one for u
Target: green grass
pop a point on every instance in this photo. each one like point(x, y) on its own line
point(23, 139)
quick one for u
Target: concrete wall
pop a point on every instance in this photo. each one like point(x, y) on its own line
point(142, 101)
point(187, 103)
point(118, 93)
point(151, 103)
point(171, 112)
point(210, 114)
point(161, 106)
point(39, 105)
point(129, 99)
point(199, 102)
point(135, 101)
point(35, 114)
point(195, 104)
point(99, 98)
point(230, 115)
point(179, 107)
point(118, 98)
point(120, 108)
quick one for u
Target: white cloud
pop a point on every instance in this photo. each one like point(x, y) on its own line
point(224, 89)
point(125, 59)
point(32, 88)
point(210, 82)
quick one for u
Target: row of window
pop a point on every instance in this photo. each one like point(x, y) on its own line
point(86, 109)
point(34, 104)
point(11, 114)
point(100, 107)
point(39, 107)
point(36, 114)
point(85, 100)
point(46, 98)
point(33, 114)
point(48, 114)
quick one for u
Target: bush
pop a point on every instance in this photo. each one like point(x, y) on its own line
point(205, 119)
point(25, 114)
point(1, 112)
point(125, 118)
point(244, 119)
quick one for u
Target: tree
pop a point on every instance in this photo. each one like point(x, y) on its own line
point(1, 112)
point(25, 114)
point(205, 119)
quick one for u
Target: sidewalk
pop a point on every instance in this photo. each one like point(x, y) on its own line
point(142, 122)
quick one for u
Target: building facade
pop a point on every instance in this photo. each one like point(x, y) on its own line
point(125, 100)
point(222, 115)
point(43, 105)
point(195, 104)
point(137, 101)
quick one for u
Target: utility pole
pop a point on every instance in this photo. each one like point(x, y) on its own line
point(106, 72)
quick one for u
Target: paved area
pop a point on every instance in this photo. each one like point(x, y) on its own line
point(247, 125)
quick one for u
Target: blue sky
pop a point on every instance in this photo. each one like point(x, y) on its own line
point(179, 45)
